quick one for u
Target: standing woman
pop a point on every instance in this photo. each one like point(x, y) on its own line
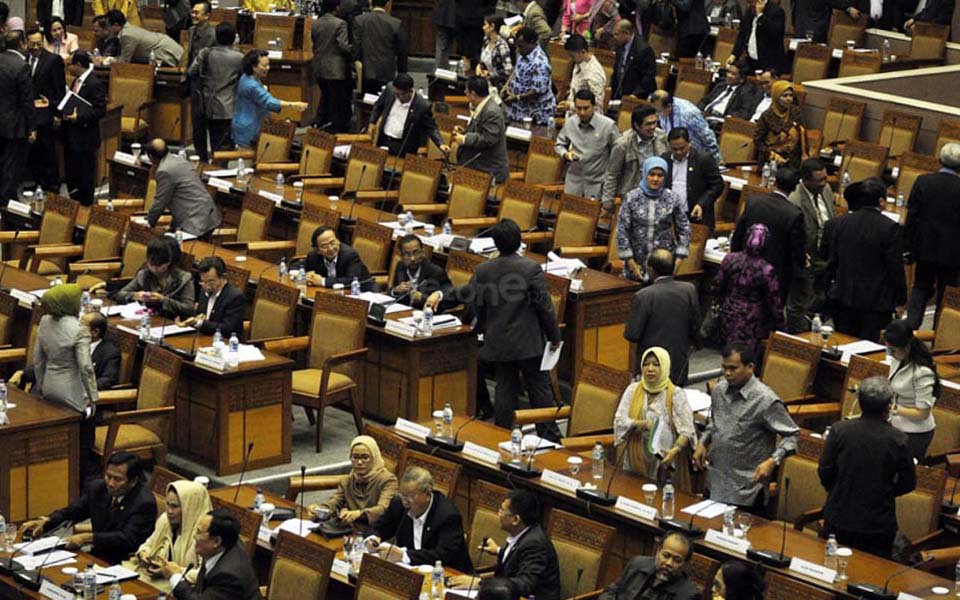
point(779, 133)
point(253, 101)
point(63, 367)
point(495, 64)
point(916, 384)
point(642, 228)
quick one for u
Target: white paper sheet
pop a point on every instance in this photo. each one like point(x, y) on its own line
point(115, 573)
point(169, 330)
point(38, 545)
point(250, 353)
point(482, 245)
point(707, 509)
point(221, 173)
point(698, 400)
point(374, 297)
point(299, 527)
point(439, 322)
point(541, 444)
point(32, 562)
point(550, 357)
point(127, 311)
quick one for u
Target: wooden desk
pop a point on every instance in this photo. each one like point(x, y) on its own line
point(39, 457)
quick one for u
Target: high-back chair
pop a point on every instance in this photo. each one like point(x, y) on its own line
point(948, 131)
point(461, 266)
point(737, 144)
point(842, 121)
point(486, 499)
point(373, 242)
point(946, 337)
point(790, 366)
point(898, 131)
point(100, 250)
point(946, 412)
point(692, 83)
point(468, 196)
point(255, 216)
point(446, 474)
point(928, 40)
point(300, 569)
point(445, 124)
point(854, 63)
point(312, 215)
point(364, 171)
point(844, 29)
point(8, 315)
point(316, 156)
point(135, 250)
point(805, 493)
point(249, 522)
point(912, 165)
point(382, 580)
point(576, 222)
point(131, 85)
point(726, 41)
point(582, 546)
point(781, 587)
point(701, 570)
point(918, 513)
point(811, 62)
point(561, 67)
point(274, 311)
point(129, 344)
point(273, 145)
point(520, 202)
point(418, 183)
point(863, 159)
point(544, 166)
point(269, 27)
point(662, 41)
point(691, 267)
point(860, 368)
point(56, 227)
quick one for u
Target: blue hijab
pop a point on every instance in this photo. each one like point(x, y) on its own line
point(654, 162)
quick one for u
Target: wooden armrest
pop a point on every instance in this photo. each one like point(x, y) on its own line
point(421, 209)
point(689, 275)
point(917, 544)
point(585, 442)
point(925, 335)
point(536, 237)
point(322, 182)
point(13, 355)
point(800, 399)
point(122, 202)
point(21, 237)
point(814, 411)
point(224, 232)
point(378, 195)
point(583, 251)
point(275, 167)
point(472, 222)
point(723, 227)
point(56, 250)
point(940, 457)
point(117, 396)
point(540, 415)
point(228, 155)
point(289, 345)
point(588, 595)
point(265, 341)
point(268, 245)
point(456, 100)
point(298, 176)
point(811, 516)
point(313, 483)
point(139, 415)
point(941, 557)
point(350, 138)
point(517, 176)
point(80, 268)
point(551, 187)
point(343, 358)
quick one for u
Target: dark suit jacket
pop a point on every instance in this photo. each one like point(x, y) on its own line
point(117, 533)
point(636, 575)
point(83, 135)
point(106, 364)
point(770, 32)
point(637, 76)
point(72, 12)
point(432, 278)
point(932, 228)
point(509, 297)
point(704, 183)
point(419, 120)
point(814, 15)
point(48, 81)
point(667, 314)
point(232, 578)
point(937, 11)
point(349, 266)
point(16, 97)
point(532, 565)
point(486, 136)
point(691, 17)
point(742, 103)
point(786, 244)
point(442, 537)
point(893, 16)
point(379, 42)
point(227, 315)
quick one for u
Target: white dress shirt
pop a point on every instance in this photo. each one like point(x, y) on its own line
point(511, 542)
point(208, 565)
point(393, 126)
point(56, 8)
point(719, 104)
point(678, 177)
point(752, 40)
point(761, 108)
point(418, 524)
point(212, 301)
point(93, 346)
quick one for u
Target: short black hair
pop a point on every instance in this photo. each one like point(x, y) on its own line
point(80, 58)
point(677, 133)
point(330, 6)
point(226, 33)
point(98, 322)
point(747, 356)
point(318, 232)
point(115, 17)
point(251, 59)
point(506, 236)
point(585, 94)
point(379, 3)
point(224, 526)
point(403, 81)
point(495, 20)
point(528, 35)
point(33, 31)
point(479, 86)
point(4, 11)
point(640, 113)
point(207, 7)
point(14, 39)
point(158, 252)
point(525, 505)
point(49, 26)
point(786, 180)
point(743, 67)
point(410, 237)
point(130, 461)
point(212, 262)
point(809, 166)
point(683, 538)
point(872, 192)
point(576, 43)
point(497, 588)
point(742, 580)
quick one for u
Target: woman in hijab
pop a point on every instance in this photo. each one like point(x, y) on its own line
point(63, 367)
point(654, 424)
point(748, 293)
point(640, 230)
point(737, 580)
point(363, 495)
point(779, 133)
point(174, 535)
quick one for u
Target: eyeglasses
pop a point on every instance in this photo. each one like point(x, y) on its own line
point(361, 458)
point(326, 244)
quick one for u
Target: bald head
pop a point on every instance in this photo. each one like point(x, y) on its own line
point(157, 149)
point(660, 262)
point(623, 32)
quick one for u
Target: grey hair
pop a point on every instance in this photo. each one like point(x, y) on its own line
point(420, 476)
point(875, 395)
point(950, 155)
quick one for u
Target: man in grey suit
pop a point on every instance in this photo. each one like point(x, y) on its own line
point(214, 76)
point(136, 43)
point(180, 190)
point(201, 36)
point(815, 200)
point(331, 55)
point(483, 145)
point(380, 44)
point(666, 314)
point(535, 19)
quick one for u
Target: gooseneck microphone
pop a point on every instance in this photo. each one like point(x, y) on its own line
point(353, 200)
point(243, 471)
point(875, 592)
point(451, 444)
point(767, 557)
point(604, 498)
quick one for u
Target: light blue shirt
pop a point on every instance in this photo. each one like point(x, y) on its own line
point(253, 103)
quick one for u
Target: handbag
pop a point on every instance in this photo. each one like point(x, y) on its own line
point(710, 327)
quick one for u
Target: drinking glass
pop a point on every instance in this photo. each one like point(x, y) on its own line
point(195, 161)
point(9, 538)
point(437, 417)
point(744, 523)
point(347, 546)
point(825, 332)
point(843, 557)
point(649, 493)
point(808, 34)
point(574, 463)
point(135, 148)
point(298, 189)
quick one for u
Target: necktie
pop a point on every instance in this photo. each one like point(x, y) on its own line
point(76, 85)
point(723, 94)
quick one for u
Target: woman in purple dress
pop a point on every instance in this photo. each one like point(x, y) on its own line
point(747, 292)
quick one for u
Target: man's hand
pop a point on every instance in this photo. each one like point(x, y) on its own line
point(764, 471)
point(908, 24)
point(166, 568)
point(41, 102)
point(32, 137)
point(669, 456)
point(457, 138)
point(372, 543)
point(433, 301)
point(190, 322)
point(402, 288)
point(509, 98)
point(149, 297)
point(72, 116)
point(390, 552)
point(853, 13)
point(314, 279)
point(700, 457)
point(34, 527)
point(490, 547)
point(445, 148)
point(74, 542)
point(563, 106)
point(570, 156)
point(697, 213)
point(554, 346)
point(730, 60)
point(349, 516)
point(463, 582)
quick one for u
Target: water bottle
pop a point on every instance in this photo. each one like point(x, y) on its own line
point(436, 581)
point(153, 58)
point(728, 520)
point(3, 395)
point(462, 68)
point(233, 356)
point(302, 281)
point(886, 50)
point(448, 420)
point(666, 509)
point(830, 553)
point(258, 500)
point(956, 576)
point(178, 235)
point(280, 182)
point(240, 169)
point(551, 123)
point(708, 64)
point(816, 324)
point(410, 218)
point(598, 461)
point(765, 175)
point(901, 201)
point(282, 269)
point(3, 522)
point(57, 281)
point(89, 584)
point(516, 443)
point(699, 60)
point(110, 207)
point(145, 325)
point(845, 181)
point(115, 591)
point(447, 228)
point(84, 302)
point(355, 287)
point(773, 172)
point(218, 342)
point(427, 328)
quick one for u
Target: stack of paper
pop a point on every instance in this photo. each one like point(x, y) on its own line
point(114, 573)
point(39, 545)
point(439, 322)
point(342, 152)
point(396, 224)
point(706, 509)
point(250, 353)
point(301, 527)
point(55, 558)
point(163, 331)
point(698, 401)
point(858, 347)
point(541, 444)
point(128, 311)
point(482, 245)
point(562, 266)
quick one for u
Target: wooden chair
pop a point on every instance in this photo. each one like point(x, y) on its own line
point(269, 27)
point(129, 344)
point(160, 479)
point(781, 587)
point(859, 369)
point(445, 123)
point(56, 227)
point(255, 216)
point(843, 28)
point(918, 513)
point(312, 215)
point(737, 146)
point(912, 166)
point(20, 355)
point(485, 520)
point(863, 159)
point(382, 580)
point(854, 63)
point(726, 41)
point(373, 243)
point(520, 202)
point(946, 436)
point(143, 431)
point(273, 145)
point(702, 569)
point(468, 197)
point(316, 157)
point(8, 316)
point(544, 166)
point(625, 114)
point(364, 171)
point(662, 42)
point(300, 569)
point(929, 40)
point(446, 474)
point(691, 267)
point(131, 86)
point(692, 83)
point(419, 183)
point(576, 228)
point(811, 62)
point(335, 362)
point(789, 367)
point(274, 311)
point(561, 67)
point(842, 121)
point(133, 258)
point(805, 493)
point(249, 520)
point(946, 337)
point(102, 243)
point(899, 131)
point(582, 546)
point(948, 131)
point(462, 265)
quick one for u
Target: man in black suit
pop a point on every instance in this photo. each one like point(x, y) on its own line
point(932, 231)
point(635, 69)
point(332, 262)
point(49, 84)
point(785, 247)
point(424, 525)
point(80, 128)
point(527, 559)
point(17, 121)
point(103, 352)
point(655, 577)
point(665, 313)
point(509, 298)
point(864, 271)
point(891, 14)
point(71, 11)
point(939, 12)
point(380, 44)
point(226, 572)
point(694, 175)
point(692, 26)
point(814, 16)
point(120, 507)
point(734, 97)
point(767, 50)
point(483, 144)
point(416, 280)
point(406, 119)
point(221, 306)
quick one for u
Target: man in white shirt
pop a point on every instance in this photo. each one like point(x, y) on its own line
point(587, 73)
point(766, 81)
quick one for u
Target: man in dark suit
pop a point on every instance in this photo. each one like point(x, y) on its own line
point(71, 12)
point(694, 175)
point(444, 19)
point(221, 305)
point(417, 279)
point(657, 577)
point(939, 12)
point(405, 119)
point(733, 97)
point(932, 231)
point(665, 313)
point(424, 525)
point(692, 26)
point(120, 507)
point(331, 53)
point(200, 36)
point(17, 121)
point(226, 572)
point(815, 199)
point(332, 262)
point(891, 14)
point(80, 128)
point(767, 53)
point(785, 247)
point(103, 351)
point(49, 84)
point(814, 16)
point(635, 69)
point(483, 145)
point(380, 44)
point(864, 272)
point(527, 559)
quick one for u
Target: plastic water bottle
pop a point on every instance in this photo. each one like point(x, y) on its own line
point(956, 585)
point(816, 324)
point(89, 584)
point(218, 341)
point(280, 182)
point(282, 269)
point(233, 356)
point(765, 175)
point(830, 553)
point(110, 207)
point(240, 168)
point(667, 508)
point(355, 287)
point(436, 580)
point(178, 235)
point(302, 281)
point(598, 461)
point(516, 443)
point(115, 592)
point(84, 302)
point(773, 172)
point(551, 123)
point(447, 228)
point(845, 181)
point(39, 195)
point(448, 420)
point(427, 328)
point(901, 201)
point(699, 60)
point(728, 520)
point(153, 58)
point(410, 218)
point(145, 325)
point(258, 500)
point(708, 64)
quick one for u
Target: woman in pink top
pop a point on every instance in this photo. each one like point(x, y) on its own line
point(59, 41)
point(576, 15)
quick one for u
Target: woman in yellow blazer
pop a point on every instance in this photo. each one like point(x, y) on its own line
point(127, 7)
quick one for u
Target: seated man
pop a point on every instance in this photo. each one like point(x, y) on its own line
point(227, 571)
point(424, 525)
point(163, 286)
point(120, 507)
point(221, 305)
point(331, 262)
point(733, 97)
point(181, 191)
point(417, 280)
point(662, 576)
point(528, 559)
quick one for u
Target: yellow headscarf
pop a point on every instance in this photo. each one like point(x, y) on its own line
point(777, 89)
point(639, 401)
point(62, 300)
point(194, 503)
point(370, 444)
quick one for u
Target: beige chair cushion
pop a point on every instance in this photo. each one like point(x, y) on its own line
point(914, 514)
point(128, 436)
point(486, 523)
point(129, 125)
point(465, 202)
point(371, 252)
point(541, 169)
point(370, 592)
point(593, 409)
point(572, 558)
point(947, 434)
point(415, 188)
point(269, 320)
point(293, 581)
point(786, 377)
point(56, 229)
point(806, 493)
point(948, 329)
point(306, 382)
point(101, 243)
point(520, 212)
point(573, 230)
point(134, 255)
point(154, 392)
point(251, 226)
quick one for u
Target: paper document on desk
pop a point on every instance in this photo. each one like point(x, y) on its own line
point(396, 224)
point(541, 444)
point(550, 357)
point(468, 593)
point(250, 353)
point(114, 573)
point(439, 322)
point(168, 330)
point(698, 401)
point(707, 509)
point(301, 527)
point(562, 266)
point(374, 297)
point(441, 240)
point(39, 545)
point(47, 560)
point(482, 245)
point(858, 347)
point(131, 310)
point(221, 173)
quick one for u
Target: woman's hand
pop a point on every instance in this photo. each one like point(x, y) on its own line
point(669, 456)
point(349, 516)
point(780, 160)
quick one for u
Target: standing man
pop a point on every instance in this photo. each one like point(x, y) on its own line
point(677, 112)
point(585, 143)
point(760, 41)
point(813, 16)
point(483, 145)
point(645, 139)
point(71, 11)
point(49, 85)
point(80, 128)
point(587, 72)
point(405, 119)
point(635, 68)
point(176, 14)
point(814, 198)
point(181, 191)
point(692, 26)
point(534, 18)
point(444, 19)
point(659, 577)
point(17, 121)
point(469, 32)
point(739, 448)
point(693, 175)
point(201, 36)
point(380, 44)
point(214, 75)
point(865, 465)
point(529, 93)
point(331, 56)
point(221, 306)
point(128, 8)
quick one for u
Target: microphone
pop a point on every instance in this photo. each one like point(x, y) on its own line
point(767, 557)
point(576, 589)
point(470, 160)
point(9, 568)
point(893, 129)
point(840, 124)
point(353, 201)
point(688, 528)
point(875, 592)
point(527, 469)
point(303, 476)
point(603, 498)
point(483, 544)
point(32, 579)
point(243, 471)
point(447, 443)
